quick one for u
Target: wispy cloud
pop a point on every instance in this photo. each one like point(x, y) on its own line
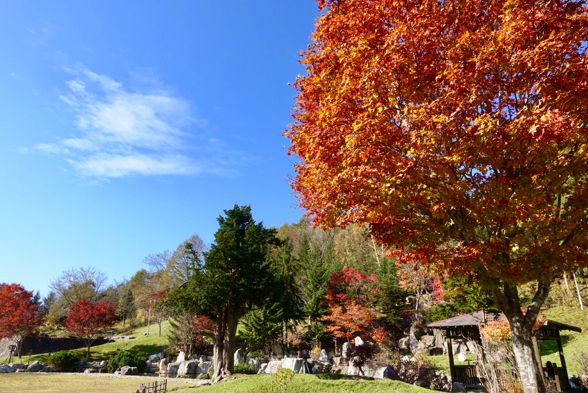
point(124, 132)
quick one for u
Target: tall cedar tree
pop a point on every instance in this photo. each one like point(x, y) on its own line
point(234, 278)
point(456, 129)
point(20, 317)
point(313, 287)
point(86, 319)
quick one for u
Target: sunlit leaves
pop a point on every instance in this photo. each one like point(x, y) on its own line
point(456, 130)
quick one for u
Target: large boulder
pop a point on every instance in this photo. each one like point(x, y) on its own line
point(203, 368)
point(187, 367)
point(4, 369)
point(345, 349)
point(385, 372)
point(273, 366)
point(256, 363)
point(181, 357)
point(324, 357)
point(16, 366)
point(238, 356)
point(173, 368)
point(163, 366)
point(293, 364)
point(154, 358)
point(262, 368)
point(35, 367)
point(128, 370)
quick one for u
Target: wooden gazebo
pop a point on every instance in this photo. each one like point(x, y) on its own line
point(467, 327)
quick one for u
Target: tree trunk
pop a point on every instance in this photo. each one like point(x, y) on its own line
point(231, 332)
point(88, 352)
point(521, 325)
point(219, 359)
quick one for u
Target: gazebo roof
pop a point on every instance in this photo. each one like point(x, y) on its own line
point(477, 319)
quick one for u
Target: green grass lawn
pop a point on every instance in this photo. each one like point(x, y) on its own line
point(304, 383)
point(141, 346)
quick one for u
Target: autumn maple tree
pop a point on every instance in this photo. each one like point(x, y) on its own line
point(20, 317)
point(456, 130)
point(348, 299)
point(86, 319)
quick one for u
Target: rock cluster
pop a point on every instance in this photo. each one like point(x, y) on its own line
point(34, 367)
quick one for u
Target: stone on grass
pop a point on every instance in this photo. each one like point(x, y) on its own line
point(128, 370)
point(187, 367)
point(173, 368)
point(163, 366)
point(4, 369)
point(34, 367)
point(154, 358)
point(345, 349)
point(238, 356)
point(203, 368)
point(293, 364)
point(273, 366)
point(262, 368)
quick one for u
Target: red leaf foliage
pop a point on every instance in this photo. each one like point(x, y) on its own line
point(456, 129)
point(19, 316)
point(348, 298)
point(86, 319)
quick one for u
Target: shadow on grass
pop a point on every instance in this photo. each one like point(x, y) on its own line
point(335, 377)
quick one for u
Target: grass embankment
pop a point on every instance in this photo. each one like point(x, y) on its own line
point(141, 346)
point(305, 383)
point(572, 341)
point(67, 383)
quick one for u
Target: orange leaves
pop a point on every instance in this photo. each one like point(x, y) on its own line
point(451, 133)
point(496, 331)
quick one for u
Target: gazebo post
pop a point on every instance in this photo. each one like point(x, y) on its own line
point(450, 353)
point(538, 357)
point(562, 358)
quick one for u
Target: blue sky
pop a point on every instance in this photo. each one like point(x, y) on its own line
point(128, 126)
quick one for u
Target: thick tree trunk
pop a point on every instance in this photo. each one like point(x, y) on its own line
point(521, 325)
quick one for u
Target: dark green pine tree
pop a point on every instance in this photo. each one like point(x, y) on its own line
point(235, 277)
point(315, 276)
point(262, 327)
point(390, 299)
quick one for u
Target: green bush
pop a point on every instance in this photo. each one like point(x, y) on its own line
point(64, 361)
point(125, 358)
point(244, 368)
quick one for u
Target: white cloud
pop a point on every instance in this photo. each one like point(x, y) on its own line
point(125, 133)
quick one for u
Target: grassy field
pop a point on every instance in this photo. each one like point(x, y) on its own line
point(66, 383)
point(142, 346)
point(50, 383)
point(304, 383)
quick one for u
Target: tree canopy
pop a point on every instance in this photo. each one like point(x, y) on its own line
point(457, 131)
point(235, 277)
point(20, 316)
